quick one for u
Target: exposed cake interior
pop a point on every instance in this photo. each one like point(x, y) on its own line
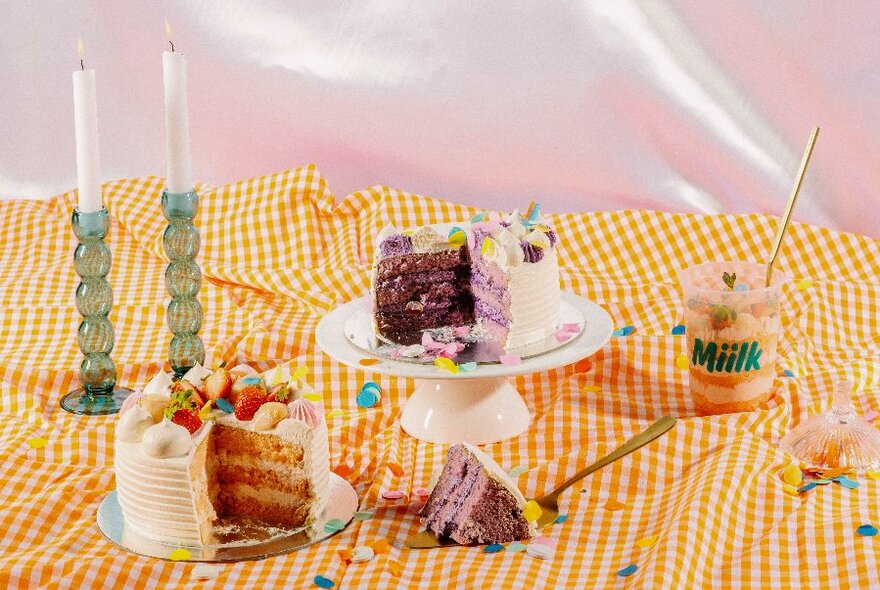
point(475, 501)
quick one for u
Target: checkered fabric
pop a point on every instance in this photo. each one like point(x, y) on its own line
point(278, 253)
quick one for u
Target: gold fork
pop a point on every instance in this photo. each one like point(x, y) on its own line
point(549, 503)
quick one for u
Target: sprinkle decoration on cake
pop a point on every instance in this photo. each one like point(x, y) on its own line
point(492, 279)
point(475, 502)
point(219, 447)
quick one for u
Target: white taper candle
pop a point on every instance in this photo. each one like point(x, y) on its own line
point(176, 123)
point(88, 170)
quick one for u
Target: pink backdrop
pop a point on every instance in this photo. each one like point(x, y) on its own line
point(586, 105)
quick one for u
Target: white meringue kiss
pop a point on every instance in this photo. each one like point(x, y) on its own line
point(133, 424)
point(160, 384)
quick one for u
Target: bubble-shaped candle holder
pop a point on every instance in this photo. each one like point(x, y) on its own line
point(183, 279)
point(98, 394)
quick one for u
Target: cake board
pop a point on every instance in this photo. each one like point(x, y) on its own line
point(341, 506)
point(481, 407)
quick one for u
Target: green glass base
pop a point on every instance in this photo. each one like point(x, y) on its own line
point(79, 401)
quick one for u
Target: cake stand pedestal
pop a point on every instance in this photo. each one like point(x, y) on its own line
point(481, 407)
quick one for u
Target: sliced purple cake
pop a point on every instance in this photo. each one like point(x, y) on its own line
point(500, 274)
point(475, 501)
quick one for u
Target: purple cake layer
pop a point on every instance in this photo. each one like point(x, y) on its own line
point(428, 261)
point(485, 310)
point(468, 506)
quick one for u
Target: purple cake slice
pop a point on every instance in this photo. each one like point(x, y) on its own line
point(475, 501)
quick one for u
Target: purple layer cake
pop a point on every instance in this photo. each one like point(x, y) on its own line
point(475, 501)
point(501, 274)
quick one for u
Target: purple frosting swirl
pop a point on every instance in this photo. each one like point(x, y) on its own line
point(396, 245)
point(531, 253)
point(551, 235)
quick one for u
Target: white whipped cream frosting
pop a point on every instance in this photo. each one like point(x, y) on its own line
point(197, 375)
point(166, 439)
point(133, 424)
point(160, 384)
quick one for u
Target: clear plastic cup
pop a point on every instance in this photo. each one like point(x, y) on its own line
point(731, 334)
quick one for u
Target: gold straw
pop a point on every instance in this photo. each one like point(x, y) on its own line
point(792, 199)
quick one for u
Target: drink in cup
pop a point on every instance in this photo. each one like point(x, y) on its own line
point(732, 325)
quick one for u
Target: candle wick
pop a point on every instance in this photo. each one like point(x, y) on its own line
point(81, 66)
point(172, 45)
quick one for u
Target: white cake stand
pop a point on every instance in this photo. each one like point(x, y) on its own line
point(480, 407)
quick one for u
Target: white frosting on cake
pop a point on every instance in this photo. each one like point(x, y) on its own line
point(155, 488)
point(160, 384)
point(534, 300)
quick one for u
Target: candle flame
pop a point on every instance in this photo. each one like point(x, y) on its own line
point(80, 48)
point(168, 30)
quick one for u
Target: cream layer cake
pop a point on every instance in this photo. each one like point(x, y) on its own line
point(219, 445)
point(475, 501)
point(502, 275)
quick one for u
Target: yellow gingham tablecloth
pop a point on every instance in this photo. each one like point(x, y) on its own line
point(277, 254)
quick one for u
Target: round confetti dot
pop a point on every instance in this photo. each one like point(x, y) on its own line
point(583, 366)
point(368, 362)
point(788, 373)
point(180, 554)
point(371, 385)
point(493, 548)
point(322, 582)
point(343, 471)
point(539, 551)
point(847, 483)
point(792, 475)
point(206, 571)
point(614, 505)
point(867, 530)
point(37, 442)
point(544, 540)
point(870, 415)
point(367, 399)
point(516, 547)
point(334, 525)
point(362, 554)
point(510, 360)
point(362, 516)
point(592, 389)
point(646, 542)
point(789, 489)
point(803, 285)
point(681, 361)
point(678, 330)
point(628, 570)
point(467, 367)
point(393, 494)
point(445, 364)
point(224, 406)
point(741, 287)
point(421, 492)
point(532, 512)
point(561, 518)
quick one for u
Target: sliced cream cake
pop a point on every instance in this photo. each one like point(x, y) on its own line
point(475, 501)
point(500, 274)
point(187, 458)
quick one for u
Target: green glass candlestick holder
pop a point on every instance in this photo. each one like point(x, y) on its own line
point(183, 279)
point(97, 394)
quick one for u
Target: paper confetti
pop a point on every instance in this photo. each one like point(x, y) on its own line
point(539, 551)
point(206, 571)
point(583, 366)
point(299, 373)
point(517, 471)
point(681, 361)
point(561, 518)
point(562, 336)
point(467, 367)
point(224, 406)
point(592, 389)
point(343, 471)
point(362, 554)
point(421, 492)
point(344, 555)
point(807, 487)
point(180, 554)
point(789, 489)
point(803, 285)
point(788, 373)
point(873, 474)
point(646, 542)
point(867, 530)
point(37, 442)
point(368, 362)
point(333, 525)
point(628, 570)
point(362, 516)
point(371, 385)
point(614, 505)
point(380, 545)
point(678, 330)
point(792, 475)
point(516, 547)
point(395, 568)
point(493, 548)
point(367, 399)
point(510, 360)
point(624, 331)
point(456, 236)
point(393, 494)
point(545, 540)
point(417, 507)
point(322, 582)
point(313, 397)
point(845, 482)
point(335, 413)
point(532, 512)
point(445, 364)
point(741, 287)
point(870, 415)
